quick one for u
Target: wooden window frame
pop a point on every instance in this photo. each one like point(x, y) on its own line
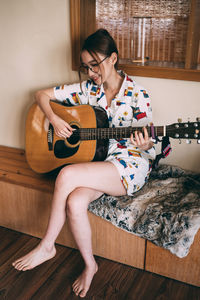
point(82, 17)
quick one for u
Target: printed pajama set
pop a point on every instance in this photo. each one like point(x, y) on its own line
point(130, 107)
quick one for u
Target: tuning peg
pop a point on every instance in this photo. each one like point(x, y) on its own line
point(179, 120)
point(188, 120)
point(179, 141)
point(188, 141)
point(198, 119)
point(198, 141)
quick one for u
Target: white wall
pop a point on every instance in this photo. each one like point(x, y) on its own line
point(36, 53)
point(173, 99)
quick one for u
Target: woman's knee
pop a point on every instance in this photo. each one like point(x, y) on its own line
point(77, 203)
point(65, 177)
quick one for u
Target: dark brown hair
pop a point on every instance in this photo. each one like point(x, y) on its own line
point(100, 42)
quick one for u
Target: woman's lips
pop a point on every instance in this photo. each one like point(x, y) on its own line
point(95, 78)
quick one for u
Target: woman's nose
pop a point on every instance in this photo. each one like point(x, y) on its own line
point(90, 72)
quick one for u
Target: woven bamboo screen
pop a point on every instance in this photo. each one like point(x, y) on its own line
point(156, 29)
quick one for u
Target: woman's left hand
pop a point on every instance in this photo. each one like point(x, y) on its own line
point(142, 141)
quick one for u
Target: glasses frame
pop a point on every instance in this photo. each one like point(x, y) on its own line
point(87, 68)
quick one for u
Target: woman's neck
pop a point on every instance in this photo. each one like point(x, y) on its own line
point(113, 84)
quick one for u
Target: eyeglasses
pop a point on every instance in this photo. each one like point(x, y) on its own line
point(94, 67)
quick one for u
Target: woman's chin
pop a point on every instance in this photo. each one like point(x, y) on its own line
point(97, 80)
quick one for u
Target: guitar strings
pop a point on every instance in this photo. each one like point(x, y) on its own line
point(117, 132)
point(125, 132)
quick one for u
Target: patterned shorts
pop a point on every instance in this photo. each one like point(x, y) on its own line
point(134, 173)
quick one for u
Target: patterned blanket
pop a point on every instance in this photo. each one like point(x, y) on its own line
point(166, 211)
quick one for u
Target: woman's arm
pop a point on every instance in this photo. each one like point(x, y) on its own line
point(61, 128)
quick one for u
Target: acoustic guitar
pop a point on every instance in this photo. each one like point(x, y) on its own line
point(89, 142)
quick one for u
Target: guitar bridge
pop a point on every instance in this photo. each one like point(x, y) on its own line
point(50, 134)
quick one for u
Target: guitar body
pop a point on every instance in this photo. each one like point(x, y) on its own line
point(89, 142)
point(45, 151)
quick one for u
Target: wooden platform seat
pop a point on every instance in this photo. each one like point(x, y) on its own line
point(25, 201)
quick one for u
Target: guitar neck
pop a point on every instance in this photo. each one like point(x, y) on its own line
point(114, 133)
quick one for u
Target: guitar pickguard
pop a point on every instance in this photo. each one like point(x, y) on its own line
point(61, 150)
point(102, 145)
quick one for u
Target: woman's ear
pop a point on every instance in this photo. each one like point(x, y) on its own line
point(113, 58)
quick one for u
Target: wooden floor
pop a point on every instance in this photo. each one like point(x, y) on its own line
point(53, 279)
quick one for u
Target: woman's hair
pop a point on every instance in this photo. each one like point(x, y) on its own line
point(100, 42)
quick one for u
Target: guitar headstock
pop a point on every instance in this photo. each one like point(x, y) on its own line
point(187, 130)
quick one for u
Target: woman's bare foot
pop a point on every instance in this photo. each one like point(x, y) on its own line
point(83, 282)
point(34, 258)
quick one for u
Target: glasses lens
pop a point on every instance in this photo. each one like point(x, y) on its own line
point(83, 69)
point(95, 68)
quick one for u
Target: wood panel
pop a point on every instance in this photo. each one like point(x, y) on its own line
point(75, 31)
point(161, 72)
point(15, 169)
point(27, 210)
point(117, 244)
point(193, 37)
point(82, 23)
point(24, 209)
point(185, 269)
point(87, 18)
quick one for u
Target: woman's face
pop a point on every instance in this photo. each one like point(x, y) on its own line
point(102, 70)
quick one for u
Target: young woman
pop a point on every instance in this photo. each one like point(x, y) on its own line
point(124, 171)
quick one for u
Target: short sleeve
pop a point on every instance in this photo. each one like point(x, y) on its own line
point(72, 94)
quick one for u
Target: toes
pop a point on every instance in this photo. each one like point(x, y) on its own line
point(83, 293)
point(77, 288)
point(77, 291)
point(74, 284)
point(25, 268)
point(21, 266)
point(15, 263)
point(80, 291)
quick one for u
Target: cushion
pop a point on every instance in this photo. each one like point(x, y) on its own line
point(166, 211)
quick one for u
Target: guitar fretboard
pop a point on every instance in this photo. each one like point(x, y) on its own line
point(113, 133)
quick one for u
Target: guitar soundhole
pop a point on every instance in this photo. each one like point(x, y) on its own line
point(75, 137)
point(69, 147)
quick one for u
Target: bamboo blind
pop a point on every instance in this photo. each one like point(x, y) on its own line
point(153, 28)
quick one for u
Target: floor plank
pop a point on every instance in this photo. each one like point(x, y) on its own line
point(53, 279)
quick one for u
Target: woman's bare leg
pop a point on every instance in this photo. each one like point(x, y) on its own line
point(77, 205)
point(98, 176)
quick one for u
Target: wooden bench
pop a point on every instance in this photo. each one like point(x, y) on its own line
point(25, 206)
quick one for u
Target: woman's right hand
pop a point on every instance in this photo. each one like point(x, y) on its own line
point(61, 128)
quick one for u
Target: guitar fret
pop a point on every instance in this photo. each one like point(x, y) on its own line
point(114, 133)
